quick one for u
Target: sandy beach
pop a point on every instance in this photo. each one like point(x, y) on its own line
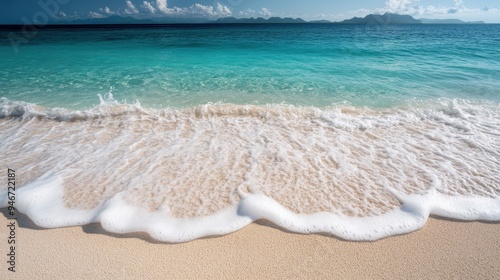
point(441, 250)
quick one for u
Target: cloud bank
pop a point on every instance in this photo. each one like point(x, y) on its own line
point(415, 8)
point(155, 8)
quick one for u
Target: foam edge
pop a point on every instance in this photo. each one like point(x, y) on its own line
point(42, 202)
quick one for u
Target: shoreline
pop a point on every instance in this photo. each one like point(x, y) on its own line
point(442, 249)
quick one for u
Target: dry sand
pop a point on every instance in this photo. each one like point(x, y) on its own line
point(441, 250)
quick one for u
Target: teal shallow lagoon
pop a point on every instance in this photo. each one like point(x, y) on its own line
point(260, 64)
point(182, 132)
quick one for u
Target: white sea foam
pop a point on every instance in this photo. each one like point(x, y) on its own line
point(181, 174)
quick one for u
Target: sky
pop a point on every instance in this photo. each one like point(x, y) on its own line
point(42, 11)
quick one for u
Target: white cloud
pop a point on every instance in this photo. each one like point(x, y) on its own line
point(195, 10)
point(131, 9)
point(456, 9)
point(459, 7)
point(223, 11)
point(106, 10)
point(409, 7)
point(148, 7)
point(433, 10)
point(414, 7)
point(60, 16)
point(95, 15)
point(459, 3)
point(207, 11)
point(247, 13)
point(265, 12)
point(199, 9)
point(459, 10)
point(161, 5)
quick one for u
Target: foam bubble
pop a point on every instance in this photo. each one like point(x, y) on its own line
point(181, 174)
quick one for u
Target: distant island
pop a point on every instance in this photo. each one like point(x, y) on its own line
point(387, 18)
point(260, 20)
point(448, 21)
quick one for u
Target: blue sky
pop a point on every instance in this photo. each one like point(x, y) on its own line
point(15, 11)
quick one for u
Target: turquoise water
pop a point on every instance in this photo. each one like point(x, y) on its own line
point(258, 64)
point(360, 132)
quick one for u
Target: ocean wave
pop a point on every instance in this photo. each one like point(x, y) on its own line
point(184, 173)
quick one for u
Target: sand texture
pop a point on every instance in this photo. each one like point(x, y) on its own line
point(441, 250)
